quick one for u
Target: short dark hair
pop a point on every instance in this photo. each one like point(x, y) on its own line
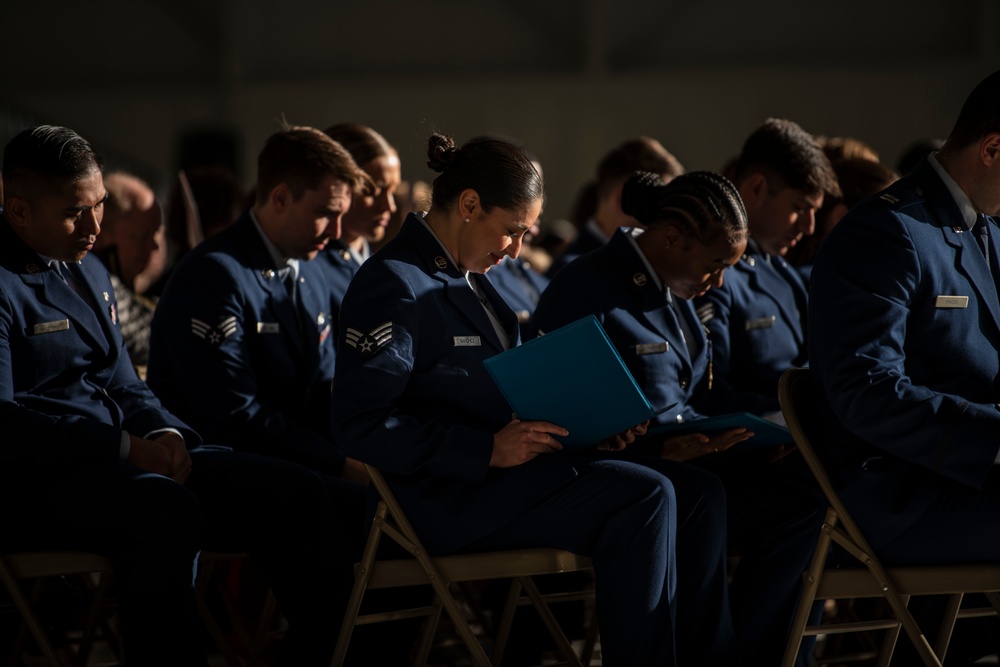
point(362, 142)
point(980, 114)
point(497, 170)
point(301, 157)
point(45, 156)
point(702, 204)
point(639, 154)
point(789, 157)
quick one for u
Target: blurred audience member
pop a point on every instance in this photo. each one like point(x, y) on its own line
point(639, 154)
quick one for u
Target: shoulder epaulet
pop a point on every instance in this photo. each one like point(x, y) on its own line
point(900, 195)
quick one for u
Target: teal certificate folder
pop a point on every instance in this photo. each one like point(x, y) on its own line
point(573, 377)
point(766, 433)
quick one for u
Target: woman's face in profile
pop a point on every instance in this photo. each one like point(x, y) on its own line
point(692, 268)
point(370, 214)
point(488, 237)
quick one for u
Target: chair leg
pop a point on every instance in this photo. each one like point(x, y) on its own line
point(506, 621)
point(360, 585)
point(27, 613)
point(593, 633)
point(948, 624)
point(551, 623)
point(898, 604)
point(890, 639)
point(93, 616)
point(810, 584)
point(427, 637)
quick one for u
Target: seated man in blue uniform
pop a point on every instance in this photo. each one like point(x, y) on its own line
point(242, 345)
point(904, 331)
point(639, 154)
point(756, 318)
point(92, 461)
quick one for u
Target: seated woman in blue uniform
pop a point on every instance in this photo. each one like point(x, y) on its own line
point(369, 215)
point(412, 398)
point(639, 286)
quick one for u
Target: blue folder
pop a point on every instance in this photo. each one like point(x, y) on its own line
point(573, 377)
point(766, 433)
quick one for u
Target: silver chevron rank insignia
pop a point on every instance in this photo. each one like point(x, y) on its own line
point(217, 334)
point(367, 344)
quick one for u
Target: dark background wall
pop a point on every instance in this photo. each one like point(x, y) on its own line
point(570, 78)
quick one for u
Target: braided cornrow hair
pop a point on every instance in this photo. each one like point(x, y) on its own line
point(701, 204)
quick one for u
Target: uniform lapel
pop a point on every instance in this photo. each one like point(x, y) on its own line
point(655, 309)
point(265, 272)
point(766, 279)
point(53, 291)
point(971, 262)
point(457, 289)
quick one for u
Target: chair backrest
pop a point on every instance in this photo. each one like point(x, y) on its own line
point(801, 404)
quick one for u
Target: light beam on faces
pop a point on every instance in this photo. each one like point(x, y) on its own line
point(489, 237)
point(784, 218)
point(693, 271)
point(370, 214)
point(63, 224)
point(310, 221)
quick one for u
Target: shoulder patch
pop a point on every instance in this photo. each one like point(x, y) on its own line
point(218, 333)
point(367, 344)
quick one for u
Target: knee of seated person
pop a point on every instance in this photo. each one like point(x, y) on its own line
point(164, 511)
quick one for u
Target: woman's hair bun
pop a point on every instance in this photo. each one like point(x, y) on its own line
point(441, 152)
point(641, 194)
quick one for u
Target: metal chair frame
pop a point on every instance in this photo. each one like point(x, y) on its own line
point(799, 396)
point(440, 572)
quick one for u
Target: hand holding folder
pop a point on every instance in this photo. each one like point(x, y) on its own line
point(575, 378)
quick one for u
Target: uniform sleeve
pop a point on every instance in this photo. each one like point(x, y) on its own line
point(377, 417)
point(865, 285)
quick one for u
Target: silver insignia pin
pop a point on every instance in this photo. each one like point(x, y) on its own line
point(639, 279)
point(440, 262)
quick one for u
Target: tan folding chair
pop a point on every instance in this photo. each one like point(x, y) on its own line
point(440, 572)
point(800, 400)
point(17, 567)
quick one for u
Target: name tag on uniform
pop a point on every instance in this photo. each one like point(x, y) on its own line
point(951, 302)
point(467, 341)
point(652, 348)
point(49, 327)
point(761, 323)
point(268, 328)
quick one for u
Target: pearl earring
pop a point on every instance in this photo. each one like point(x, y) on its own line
point(466, 221)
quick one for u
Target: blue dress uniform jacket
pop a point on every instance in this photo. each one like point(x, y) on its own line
point(756, 323)
point(520, 286)
point(612, 284)
point(413, 398)
point(231, 354)
point(904, 336)
point(73, 401)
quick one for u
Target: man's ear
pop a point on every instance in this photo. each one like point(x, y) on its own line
point(17, 211)
point(753, 189)
point(989, 149)
point(280, 198)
